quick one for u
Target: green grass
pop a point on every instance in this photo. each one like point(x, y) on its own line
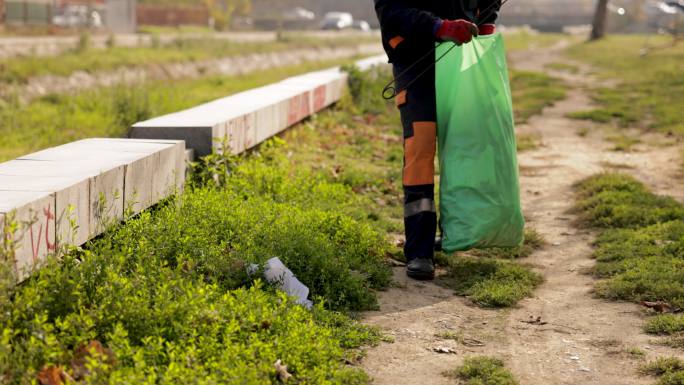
point(623, 142)
point(564, 67)
point(168, 295)
point(489, 277)
point(481, 370)
point(619, 201)
point(182, 49)
point(525, 40)
point(670, 370)
point(488, 282)
point(527, 142)
point(665, 324)
point(532, 91)
point(109, 112)
point(641, 240)
point(650, 87)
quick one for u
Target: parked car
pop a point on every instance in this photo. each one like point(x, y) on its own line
point(77, 16)
point(361, 25)
point(337, 21)
point(299, 13)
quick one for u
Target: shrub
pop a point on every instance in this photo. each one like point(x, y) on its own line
point(482, 370)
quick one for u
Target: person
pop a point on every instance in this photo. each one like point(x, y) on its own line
point(410, 30)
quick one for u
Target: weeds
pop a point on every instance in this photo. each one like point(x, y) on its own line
point(665, 324)
point(167, 296)
point(623, 142)
point(670, 370)
point(488, 277)
point(639, 249)
point(490, 282)
point(482, 370)
point(619, 201)
point(527, 142)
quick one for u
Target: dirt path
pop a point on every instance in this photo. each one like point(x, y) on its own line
point(585, 340)
point(229, 66)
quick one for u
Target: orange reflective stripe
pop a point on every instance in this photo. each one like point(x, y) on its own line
point(419, 154)
point(395, 41)
point(401, 98)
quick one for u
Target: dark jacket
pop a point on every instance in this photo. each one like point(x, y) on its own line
point(408, 26)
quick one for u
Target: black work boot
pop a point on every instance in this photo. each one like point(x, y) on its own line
point(421, 269)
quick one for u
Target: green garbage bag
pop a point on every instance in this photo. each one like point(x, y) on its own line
point(479, 187)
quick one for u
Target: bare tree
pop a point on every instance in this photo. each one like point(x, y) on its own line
point(598, 29)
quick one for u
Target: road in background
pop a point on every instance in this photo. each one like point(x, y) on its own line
point(54, 45)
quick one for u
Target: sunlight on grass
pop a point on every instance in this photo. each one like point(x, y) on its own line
point(109, 112)
point(532, 91)
point(648, 94)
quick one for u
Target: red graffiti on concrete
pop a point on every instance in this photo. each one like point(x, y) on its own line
point(319, 98)
point(300, 108)
point(36, 241)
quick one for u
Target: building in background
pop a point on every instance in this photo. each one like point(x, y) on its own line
point(120, 16)
point(551, 15)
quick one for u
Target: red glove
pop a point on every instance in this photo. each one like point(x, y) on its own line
point(458, 31)
point(487, 29)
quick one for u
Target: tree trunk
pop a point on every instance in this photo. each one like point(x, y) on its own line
point(598, 29)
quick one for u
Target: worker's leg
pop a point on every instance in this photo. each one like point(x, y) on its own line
point(418, 115)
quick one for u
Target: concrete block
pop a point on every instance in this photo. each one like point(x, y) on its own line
point(106, 199)
point(72, 205)
point(34, 238)
point(106, 184)
point(250, 117)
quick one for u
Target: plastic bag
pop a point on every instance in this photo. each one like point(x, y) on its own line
point(479, 186)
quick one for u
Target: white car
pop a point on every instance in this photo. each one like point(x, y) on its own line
point(337, 20)
point(299, 13)
point(77, 16)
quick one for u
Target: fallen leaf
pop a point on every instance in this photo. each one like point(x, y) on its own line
point(659, 306)
point(281, 371)
point(51, 375)
point(94, 349)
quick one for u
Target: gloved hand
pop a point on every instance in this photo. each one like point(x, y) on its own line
point(487, 29)
point(458, 31)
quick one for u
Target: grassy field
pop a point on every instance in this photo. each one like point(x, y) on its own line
point(532, 91)
point(167, 296)
point(524, 40)
point(182, 49)
point(649, 90)
point(109, 112)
